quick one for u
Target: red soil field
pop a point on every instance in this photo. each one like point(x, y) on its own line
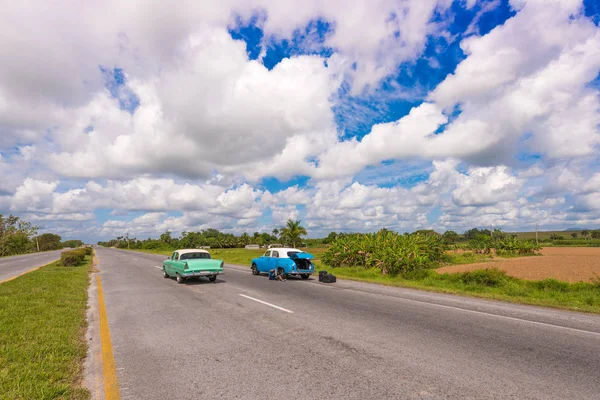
point(569, 264)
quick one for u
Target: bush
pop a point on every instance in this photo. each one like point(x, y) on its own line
point(389, 252)
point(74, 257)
point(483, 277)
point(551, 285)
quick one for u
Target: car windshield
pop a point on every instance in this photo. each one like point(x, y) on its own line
point(191, 256)
point(290, 253)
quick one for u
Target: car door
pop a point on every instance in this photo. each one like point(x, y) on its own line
point(173, 264)
point(263, 262)
point(273, 260)
point(167, 264)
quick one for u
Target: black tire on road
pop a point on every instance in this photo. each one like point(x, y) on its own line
point(304, 276)
point(212, 278)
point(180, 279)
point(254, 270)
point(165, 275)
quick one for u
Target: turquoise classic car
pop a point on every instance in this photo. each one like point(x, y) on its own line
point(191, 263)
point(285, 261)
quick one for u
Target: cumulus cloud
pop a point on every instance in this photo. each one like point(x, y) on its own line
point(158, 115)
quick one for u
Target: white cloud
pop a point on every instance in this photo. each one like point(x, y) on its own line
point(211, 123)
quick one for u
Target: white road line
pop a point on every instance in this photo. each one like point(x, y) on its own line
point(268, 304)
point(135, 259)
point(504, 317)
point(156, 266)
point(470, 311)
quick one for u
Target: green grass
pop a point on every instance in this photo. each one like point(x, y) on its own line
point(467, 257)
point(490, 284)
point(42, 327)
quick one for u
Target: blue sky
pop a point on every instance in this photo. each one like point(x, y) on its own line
point(438, 114)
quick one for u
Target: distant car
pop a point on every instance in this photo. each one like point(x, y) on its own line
point(191, 263)
point(286, 261)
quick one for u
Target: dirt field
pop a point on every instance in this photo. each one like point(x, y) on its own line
point(570, 264)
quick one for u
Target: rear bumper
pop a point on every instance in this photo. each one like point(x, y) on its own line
point(302, 272)
point(192, 274)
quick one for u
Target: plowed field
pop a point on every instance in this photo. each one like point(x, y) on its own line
point(570, 264)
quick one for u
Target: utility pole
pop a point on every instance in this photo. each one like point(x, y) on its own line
point(38, 244)
point(127, 234)
point(536, 233)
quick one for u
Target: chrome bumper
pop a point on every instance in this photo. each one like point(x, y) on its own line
point(201, 273)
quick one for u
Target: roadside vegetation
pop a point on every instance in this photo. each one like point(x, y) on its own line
point(19, 237)
point(489, 283)
point(291, 234)
point(42, 344)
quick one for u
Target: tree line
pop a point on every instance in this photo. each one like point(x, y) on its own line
point(18, 236)
point(291, 234)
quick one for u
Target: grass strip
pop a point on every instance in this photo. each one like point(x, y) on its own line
point(489, 284)
point(42, 327)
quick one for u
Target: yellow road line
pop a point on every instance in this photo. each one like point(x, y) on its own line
point(28, 271)
point(111, 384)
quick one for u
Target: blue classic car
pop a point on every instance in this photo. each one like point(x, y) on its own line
point(285, 261)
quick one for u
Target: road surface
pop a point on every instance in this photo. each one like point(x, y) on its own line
point(245, 337)
point(16, 265)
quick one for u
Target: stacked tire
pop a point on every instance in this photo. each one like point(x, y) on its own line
point(326, 278)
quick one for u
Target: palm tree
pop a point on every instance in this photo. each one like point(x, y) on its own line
point(292, 231)
point(585, 233)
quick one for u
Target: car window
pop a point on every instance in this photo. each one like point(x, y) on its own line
point(275, 254)
point(292, 252)
point(193, 256)
point(268, 253)
point(175, 255)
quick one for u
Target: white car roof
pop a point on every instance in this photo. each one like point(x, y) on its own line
point(284, 250)
point(185, 251)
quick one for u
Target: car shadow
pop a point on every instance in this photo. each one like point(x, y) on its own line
point(202, 281)
point(293, 278)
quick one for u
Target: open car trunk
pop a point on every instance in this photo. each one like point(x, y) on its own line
point(302, 263)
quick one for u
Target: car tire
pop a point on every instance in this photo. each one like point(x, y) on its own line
point(180, 279)
point(304, 276)
point(165, 275)
point(254, 270)
point(281, 272)
point(212, 278)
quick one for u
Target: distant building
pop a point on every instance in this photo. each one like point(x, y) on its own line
point(252, 247)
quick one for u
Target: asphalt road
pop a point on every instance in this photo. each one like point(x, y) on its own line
point(16, 265)
point(346, 340)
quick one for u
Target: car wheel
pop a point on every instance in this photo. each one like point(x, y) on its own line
point(304, 276)
point(254, 270)
point(281, 272)
point(165, 275)
point(212, 278)
point(180, 279)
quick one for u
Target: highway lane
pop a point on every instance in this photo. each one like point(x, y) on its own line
point(345, 341)
point(16, 265)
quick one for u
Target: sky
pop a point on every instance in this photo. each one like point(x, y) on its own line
point(136, 117)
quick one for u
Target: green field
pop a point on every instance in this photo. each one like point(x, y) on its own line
point(42, 344)
point(545, 235)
